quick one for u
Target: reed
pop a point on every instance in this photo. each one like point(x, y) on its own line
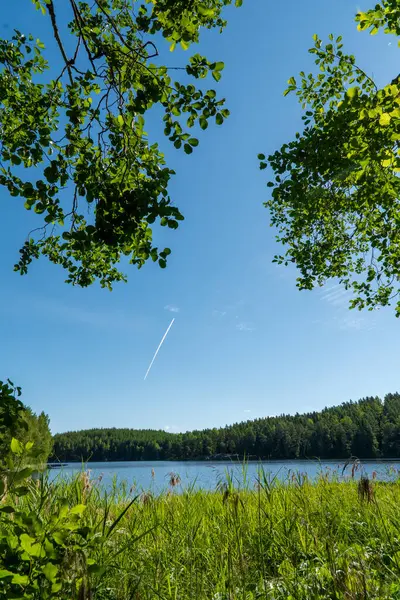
point(295, 539)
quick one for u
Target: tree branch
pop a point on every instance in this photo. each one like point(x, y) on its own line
point(58, 40)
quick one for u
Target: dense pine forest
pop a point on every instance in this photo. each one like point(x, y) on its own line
point(369, 428)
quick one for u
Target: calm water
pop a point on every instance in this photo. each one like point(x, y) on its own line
point(207, 475)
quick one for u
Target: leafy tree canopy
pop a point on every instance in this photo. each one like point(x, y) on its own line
point(73, 144)
point(336, 189)
point(18, 422)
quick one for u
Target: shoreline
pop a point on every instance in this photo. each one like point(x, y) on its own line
point(240, 461)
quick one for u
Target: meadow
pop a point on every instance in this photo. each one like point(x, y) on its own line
point(296, 539)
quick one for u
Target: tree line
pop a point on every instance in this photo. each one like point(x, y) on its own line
point(369, 428)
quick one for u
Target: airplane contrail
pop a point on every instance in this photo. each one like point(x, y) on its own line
point(159, 346)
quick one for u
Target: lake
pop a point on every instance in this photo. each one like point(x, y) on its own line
point(207, 474)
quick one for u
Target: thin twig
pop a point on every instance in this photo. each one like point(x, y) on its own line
point(78, 20)
point(122, 39)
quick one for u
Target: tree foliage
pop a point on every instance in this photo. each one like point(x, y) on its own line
point(73, 143)
point(18, 422)
point(366, 429)
point(336, 189)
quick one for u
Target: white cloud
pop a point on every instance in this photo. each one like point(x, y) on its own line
point(171, 428)
point(219, 313)
point(247, 410)
point(243, 326)
point(172, 308)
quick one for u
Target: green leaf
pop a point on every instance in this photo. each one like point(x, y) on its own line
point(4, 573)
point(20, 579)
point(384, 119)
point(51, 174)
point(352, 92)
point(50, 571)
point(95, 569)
point(26, 542)
point(193, 142)
point(162, 262)
point(16, 446)
point(78, 509)
point(22, 474)
point(28, 446)
point(219, 119)
point(219, 66)
point(120, 120)
point(188, 148)
point(7, 509)
point(60, 537)
point(203, 122)
point(261, 156)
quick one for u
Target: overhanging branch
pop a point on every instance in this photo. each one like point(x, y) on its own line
point(68, 62)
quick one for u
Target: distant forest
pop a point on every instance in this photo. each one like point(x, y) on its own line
point(369, 428)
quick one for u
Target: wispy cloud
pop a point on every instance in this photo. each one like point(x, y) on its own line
point(355, 323)
point(172, 308)
point(243, 326)
point(234, 314)
point(247, 411)
point(336, 295)
point(343, 317)
point(348, 322)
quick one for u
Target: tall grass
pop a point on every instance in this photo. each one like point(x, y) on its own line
point(295, 539)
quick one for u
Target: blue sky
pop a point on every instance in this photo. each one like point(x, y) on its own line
point(245, 342)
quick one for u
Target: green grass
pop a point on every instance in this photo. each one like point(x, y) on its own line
point(295, 539)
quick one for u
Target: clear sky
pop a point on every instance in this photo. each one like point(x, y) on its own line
point(245, 342)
